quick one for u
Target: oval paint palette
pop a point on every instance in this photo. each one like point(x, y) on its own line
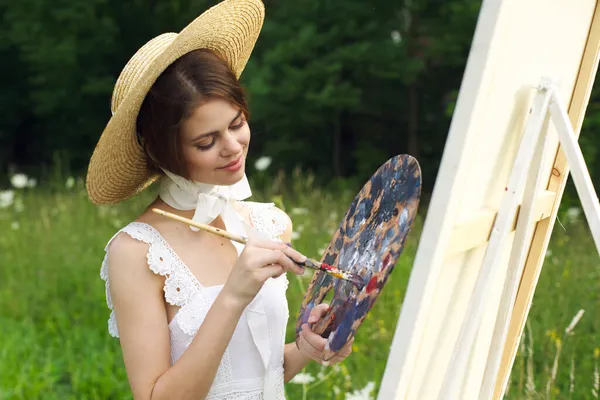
point(368, 242)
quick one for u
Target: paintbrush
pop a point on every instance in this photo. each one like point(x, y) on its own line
point(356, 279)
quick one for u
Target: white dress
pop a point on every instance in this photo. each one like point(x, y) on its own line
point(252, 365)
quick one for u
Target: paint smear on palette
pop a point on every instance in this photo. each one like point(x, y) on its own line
point(368, 242)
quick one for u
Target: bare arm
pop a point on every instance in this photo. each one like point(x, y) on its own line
point(293, 361)
point(144, 334)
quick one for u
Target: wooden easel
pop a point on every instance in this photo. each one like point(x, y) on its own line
point(526, 169)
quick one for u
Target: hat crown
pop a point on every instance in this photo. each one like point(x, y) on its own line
point(137, 65)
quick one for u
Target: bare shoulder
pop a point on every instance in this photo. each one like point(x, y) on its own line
point(282, 215)
point(128, 265)
point(284, 218)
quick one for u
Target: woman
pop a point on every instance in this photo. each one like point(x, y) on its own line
point(198, 316)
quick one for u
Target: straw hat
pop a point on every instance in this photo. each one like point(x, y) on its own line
point(117, 169)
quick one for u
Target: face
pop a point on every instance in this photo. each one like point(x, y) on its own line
point(215, 143)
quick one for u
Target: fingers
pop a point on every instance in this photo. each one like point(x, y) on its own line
point(294, 254)
point(279, 257)
point(290, 253)
point(288, 263)
point(265, 244)
point(311, 344)
point(271, 271)
point(318, 312)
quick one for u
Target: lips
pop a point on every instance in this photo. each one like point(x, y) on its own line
point(234, 162)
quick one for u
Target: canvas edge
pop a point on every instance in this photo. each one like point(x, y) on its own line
point(426, 267)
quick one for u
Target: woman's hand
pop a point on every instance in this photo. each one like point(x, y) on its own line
point(259, 261)
point(313, 345)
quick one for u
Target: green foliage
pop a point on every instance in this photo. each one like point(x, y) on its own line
point(335, 86)
point(53, 315)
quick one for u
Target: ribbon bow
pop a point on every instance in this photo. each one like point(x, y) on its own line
point(208, 201)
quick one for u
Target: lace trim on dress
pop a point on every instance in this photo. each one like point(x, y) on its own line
point(248, 389)
point(180, 284)
point(272, 224)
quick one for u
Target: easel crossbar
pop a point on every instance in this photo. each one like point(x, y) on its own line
point(476, 231)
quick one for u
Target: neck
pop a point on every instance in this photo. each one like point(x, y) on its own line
point(160, 203)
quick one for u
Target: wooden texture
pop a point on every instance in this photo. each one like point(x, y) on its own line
point(515, 44)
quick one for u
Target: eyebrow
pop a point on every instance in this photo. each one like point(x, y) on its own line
point(202, 135)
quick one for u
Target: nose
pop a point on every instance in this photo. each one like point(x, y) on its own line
point(232, 145)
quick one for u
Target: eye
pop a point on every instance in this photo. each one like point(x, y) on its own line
point(238, 126)
point(206, 146)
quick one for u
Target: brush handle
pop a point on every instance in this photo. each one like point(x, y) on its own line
point(204, 227)
point(309, 262)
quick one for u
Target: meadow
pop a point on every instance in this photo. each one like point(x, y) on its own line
point(54, 342)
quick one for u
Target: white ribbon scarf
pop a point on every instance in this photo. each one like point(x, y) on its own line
point(208, 201)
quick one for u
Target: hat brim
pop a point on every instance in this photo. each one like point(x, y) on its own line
point(117, 168)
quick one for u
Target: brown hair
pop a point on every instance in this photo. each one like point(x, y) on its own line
point(184, 85)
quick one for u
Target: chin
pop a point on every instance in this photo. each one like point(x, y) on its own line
point(229, 178)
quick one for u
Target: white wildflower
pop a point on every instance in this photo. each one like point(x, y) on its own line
point(336, 390)
point(320, 375)
point(295, 235)
point(299, 211)
point(396, 37)
point(31, 182)
point(19, 181)
point(70, 182)
point(573, 214)
point(302, 379)
point(15, 225)
point(6, 198)
point(299, 228)
point(321, 251)
point(548, 253)
point(262, 163)
point(362, 394)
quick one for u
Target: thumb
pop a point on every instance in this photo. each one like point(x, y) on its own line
point(318, 312)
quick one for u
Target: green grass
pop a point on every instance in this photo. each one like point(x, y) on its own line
point(54, 342)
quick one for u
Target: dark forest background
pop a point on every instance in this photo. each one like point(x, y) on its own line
point(336, 86)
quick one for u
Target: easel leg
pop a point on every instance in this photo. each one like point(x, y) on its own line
point(579, 171)
point(518, 256)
